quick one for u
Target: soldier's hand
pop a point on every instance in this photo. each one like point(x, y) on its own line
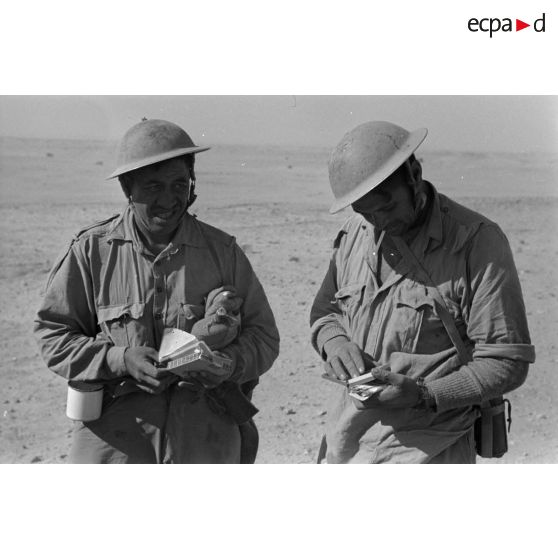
point(140, 364)
point(223, 299)
point(345, 359)
point(209, 380)
point(221, 322)
point(399, 391)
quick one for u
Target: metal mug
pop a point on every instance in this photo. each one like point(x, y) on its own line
point(85, 401)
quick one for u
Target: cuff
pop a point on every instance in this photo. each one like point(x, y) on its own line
point(514, 351)
point(115, 361)
point(327, 333)
point(238, 374)
point(454, 390)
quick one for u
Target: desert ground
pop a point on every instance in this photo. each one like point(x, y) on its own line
point(275, 201)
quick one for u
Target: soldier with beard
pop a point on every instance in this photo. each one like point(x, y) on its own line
point(122, 282)
point(425, 292)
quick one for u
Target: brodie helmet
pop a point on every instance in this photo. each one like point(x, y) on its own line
point(152, 141)
point(366, 156)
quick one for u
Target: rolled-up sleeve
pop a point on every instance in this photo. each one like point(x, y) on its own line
point(496, 308)
point(66, 325)
point(496, 324)
point(257, 346)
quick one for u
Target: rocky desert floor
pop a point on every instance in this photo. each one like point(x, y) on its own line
point(275, 201)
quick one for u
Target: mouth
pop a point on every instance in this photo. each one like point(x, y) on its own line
point(165, 215)
point(391, 227)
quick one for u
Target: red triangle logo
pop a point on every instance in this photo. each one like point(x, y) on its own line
point(519, 25)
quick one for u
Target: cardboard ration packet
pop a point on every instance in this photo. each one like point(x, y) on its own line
point(360, 388)
point(363, 387)
point(182, 353)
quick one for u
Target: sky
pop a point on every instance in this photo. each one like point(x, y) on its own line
point(456, 122)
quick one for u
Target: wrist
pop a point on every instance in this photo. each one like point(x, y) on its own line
point(327, 333)
point(236, 371)
point(332, 344)
point(115, 361)
point(426, 400)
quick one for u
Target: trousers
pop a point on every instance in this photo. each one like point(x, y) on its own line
point(462, 452)
point(177, 426)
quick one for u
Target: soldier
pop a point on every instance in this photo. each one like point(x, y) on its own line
point(122, 282)
point(425, 292)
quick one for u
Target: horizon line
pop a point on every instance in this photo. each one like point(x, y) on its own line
point(284, 145)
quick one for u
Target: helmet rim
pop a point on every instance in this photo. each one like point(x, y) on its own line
point(356, 167)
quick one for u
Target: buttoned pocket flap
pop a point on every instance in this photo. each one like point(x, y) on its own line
point(348, 291)
point(133, 310)
point(413, 300)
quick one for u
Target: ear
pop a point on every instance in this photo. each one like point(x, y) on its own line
point(416, 170)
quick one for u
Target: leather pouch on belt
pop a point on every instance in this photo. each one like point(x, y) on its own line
point(491, 438)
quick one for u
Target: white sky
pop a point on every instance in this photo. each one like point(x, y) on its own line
point(469, 123)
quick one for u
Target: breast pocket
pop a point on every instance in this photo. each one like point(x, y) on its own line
point(412, 312)
point(422, 330)
point(123, 324)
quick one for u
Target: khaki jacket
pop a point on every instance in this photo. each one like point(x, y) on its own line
point(469, 259)
point(107, 292)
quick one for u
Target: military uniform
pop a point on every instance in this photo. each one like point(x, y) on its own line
point(373, 297)
point(108, 292)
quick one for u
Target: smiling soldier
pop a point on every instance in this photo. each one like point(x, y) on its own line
point(425, 292)
point(122, 282)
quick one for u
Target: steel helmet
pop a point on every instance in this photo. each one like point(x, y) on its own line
point(366, 156)
point(152, 141)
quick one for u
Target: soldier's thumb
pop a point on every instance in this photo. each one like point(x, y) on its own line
point(383, 374)
point(151, 353)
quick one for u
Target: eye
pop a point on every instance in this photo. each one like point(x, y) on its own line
point(181, 186)
point(382, 196)
point(151, 188)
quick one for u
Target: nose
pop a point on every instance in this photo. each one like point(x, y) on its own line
point(167, 198)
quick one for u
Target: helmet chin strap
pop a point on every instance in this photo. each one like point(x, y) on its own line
point(420, 201)
point(192, 187)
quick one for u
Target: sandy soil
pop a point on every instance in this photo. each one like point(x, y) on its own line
point(274, 200)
